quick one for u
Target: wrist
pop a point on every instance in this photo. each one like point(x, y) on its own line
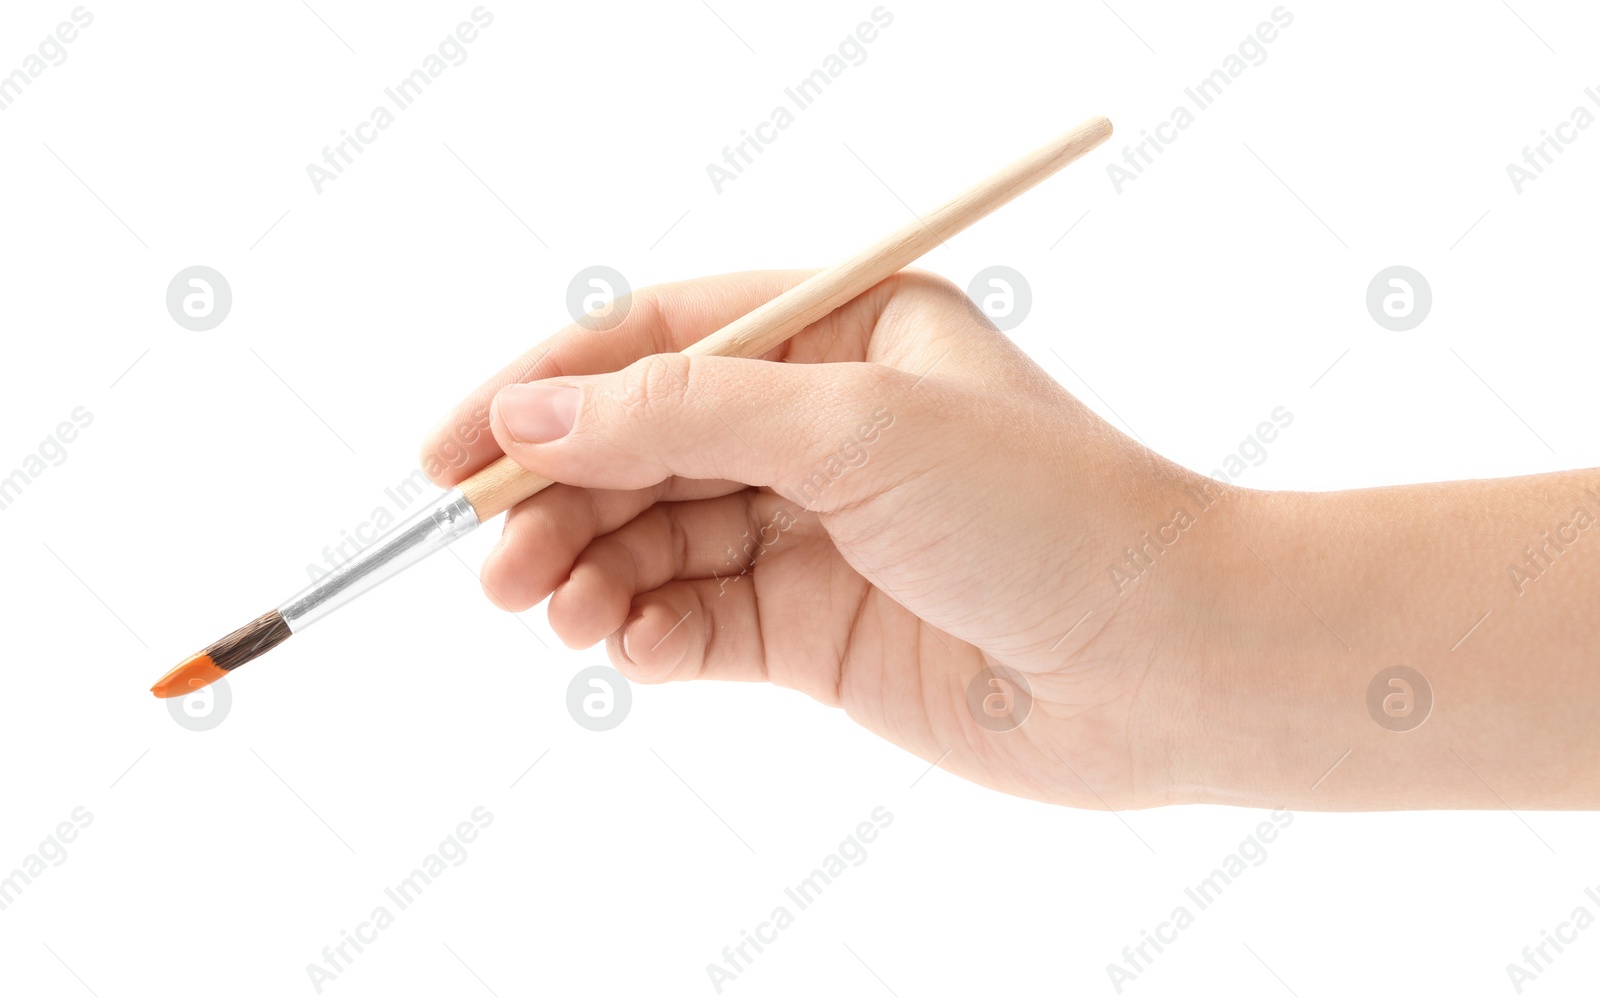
point(1249, 686)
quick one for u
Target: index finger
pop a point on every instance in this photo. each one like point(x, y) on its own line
point(662, 319)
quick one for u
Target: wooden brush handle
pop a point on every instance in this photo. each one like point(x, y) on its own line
point(505, 483)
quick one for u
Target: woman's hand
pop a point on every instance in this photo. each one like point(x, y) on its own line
point(898, 513)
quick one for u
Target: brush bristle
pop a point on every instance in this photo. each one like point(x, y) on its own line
point(254, 639)
point(203, 668)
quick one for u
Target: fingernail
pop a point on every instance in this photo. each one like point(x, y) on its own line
point(536, 414)
point(628, 627)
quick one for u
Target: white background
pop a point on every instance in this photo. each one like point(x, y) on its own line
point(1226, 281)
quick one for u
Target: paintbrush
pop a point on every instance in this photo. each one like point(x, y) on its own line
point(504, 483)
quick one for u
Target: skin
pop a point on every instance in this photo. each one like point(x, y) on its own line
point(968, 514)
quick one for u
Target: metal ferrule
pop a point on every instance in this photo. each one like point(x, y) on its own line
point(405, 544)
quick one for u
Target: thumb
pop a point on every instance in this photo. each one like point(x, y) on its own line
point(808, 431)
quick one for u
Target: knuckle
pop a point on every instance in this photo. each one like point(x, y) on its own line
point(655, 388)
point(930, 283)
point(647, 311)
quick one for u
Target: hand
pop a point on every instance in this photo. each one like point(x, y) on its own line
point(904, 501)
point(898, 500)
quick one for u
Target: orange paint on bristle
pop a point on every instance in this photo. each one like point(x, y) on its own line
point(195, 672)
